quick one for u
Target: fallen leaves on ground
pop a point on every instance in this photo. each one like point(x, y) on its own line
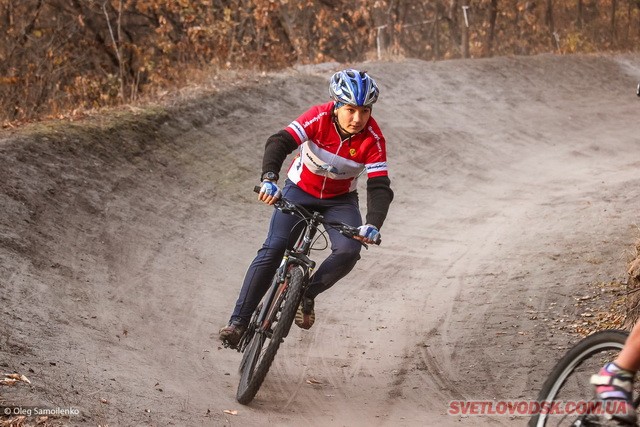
point(12, 379)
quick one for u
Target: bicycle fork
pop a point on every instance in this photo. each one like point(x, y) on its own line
point(263, 319)
point(278, 290)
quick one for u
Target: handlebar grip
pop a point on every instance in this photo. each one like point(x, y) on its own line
point(256, 189)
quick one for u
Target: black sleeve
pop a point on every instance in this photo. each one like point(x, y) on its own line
point(276, 150)
point(379, 197)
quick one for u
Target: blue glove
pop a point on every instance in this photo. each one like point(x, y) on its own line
point(369, 232)
point(270, 189)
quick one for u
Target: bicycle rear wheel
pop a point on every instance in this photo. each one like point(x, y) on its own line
point(567, 389)
point(263, 346)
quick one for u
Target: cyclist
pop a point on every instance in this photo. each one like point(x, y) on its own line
point(615, 379)
point(337, 142)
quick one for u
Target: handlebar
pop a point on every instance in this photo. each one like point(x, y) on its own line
point(289, 207)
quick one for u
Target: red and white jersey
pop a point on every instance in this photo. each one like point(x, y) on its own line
point(328, 166)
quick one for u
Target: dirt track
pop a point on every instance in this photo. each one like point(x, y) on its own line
point(123, 242)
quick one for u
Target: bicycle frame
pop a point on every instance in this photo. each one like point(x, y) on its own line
point(299, 255)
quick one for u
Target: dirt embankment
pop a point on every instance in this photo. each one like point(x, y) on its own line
point(124, 239)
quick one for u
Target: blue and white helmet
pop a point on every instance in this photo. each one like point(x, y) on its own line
point(353, 87)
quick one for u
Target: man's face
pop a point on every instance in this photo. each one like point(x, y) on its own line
point(353, 119)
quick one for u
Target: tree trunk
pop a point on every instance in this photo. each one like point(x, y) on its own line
point(465, 28)
point(550, 24)
point(436, 37)
point(454, 24)
point(580, 17)
point(493, 15)
point(8, 15)
point(287, 28)
point(614, 7)
point(627, 31)
point(29, 28)
point(93, 27)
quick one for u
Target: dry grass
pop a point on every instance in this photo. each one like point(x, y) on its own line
point(632, 301)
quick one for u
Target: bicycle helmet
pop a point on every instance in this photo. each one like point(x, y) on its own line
point(353, 87)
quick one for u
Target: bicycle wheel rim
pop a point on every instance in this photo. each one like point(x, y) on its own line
point(569, 380)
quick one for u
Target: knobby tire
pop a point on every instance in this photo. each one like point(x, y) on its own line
point(256, 362)
point(594, 346)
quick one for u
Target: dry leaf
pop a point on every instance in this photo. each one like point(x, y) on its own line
point(227, 411)
point(11, 379)
point(313, 381)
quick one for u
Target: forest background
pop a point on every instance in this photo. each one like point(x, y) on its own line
point(60, 58)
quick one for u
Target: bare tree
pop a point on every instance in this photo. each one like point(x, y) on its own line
point(579, 17)
point(59, 55)
point(465, 29)
point(493, 15)
point(614, 7)
point(550, 23)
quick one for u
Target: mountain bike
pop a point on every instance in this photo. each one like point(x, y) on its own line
point(567, 397)
point(271, 321)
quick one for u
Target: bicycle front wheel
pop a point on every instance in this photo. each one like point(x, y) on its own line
point(264, 344)
point(566, 394)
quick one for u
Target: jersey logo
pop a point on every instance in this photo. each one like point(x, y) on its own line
point(352, 152)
